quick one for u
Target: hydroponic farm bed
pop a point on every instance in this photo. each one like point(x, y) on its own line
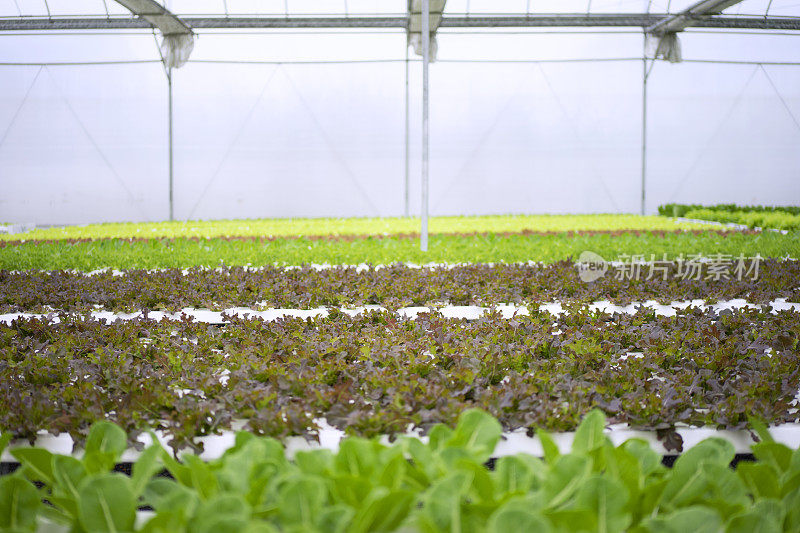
point(377, 373)
point(573, 388)
point(394, 286)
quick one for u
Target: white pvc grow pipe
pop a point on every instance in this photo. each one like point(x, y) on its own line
point(468, 312)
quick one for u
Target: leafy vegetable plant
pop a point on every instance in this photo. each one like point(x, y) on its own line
point(391, 286)
point(752, 219)
point(378, 373)
point(474, 248)
point(439, 485)
point(351, 227)
point(681, 210)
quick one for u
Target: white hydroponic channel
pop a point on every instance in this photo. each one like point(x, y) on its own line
point(513, 442)
point(468, 312)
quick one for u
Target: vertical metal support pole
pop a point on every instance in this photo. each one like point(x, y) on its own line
point(426, 51)
point(644, 123)
point(171, 195)
point(407, 210)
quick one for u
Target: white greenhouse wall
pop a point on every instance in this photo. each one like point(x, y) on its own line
point(89, 143)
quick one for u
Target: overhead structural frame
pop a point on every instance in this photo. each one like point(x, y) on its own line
point(644, 21)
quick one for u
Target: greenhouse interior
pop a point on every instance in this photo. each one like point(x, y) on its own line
point(400, 265)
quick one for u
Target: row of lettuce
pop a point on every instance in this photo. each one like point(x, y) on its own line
point(439, 485)
point(765, 217)
point(473, 248)
point(377, 373)
point(348, 227)
point(756, 280)
point(680, 210)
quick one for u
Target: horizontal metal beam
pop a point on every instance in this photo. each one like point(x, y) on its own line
point(37, 24)
point(748, 23)
point(32, 24)
point(520, 21)
point(617, 20)
point(298, 22)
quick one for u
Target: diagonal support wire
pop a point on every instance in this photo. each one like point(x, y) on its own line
point(20, 106)
point(780, 96)
point(336, 154)
point(233, 142)
point(94, 143)
point(497, 121)
point(577, 135)
point(714, 135)
point(161, 55)
point(473, 154)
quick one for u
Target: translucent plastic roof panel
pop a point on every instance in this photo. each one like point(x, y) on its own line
point(31, 8)
point(256, 7)
point(8, 8)
point(62, 8)
point(777, 8)
point(748, 7)
point(316, 7)
point(671, 6)
point(378, 7)
point(655, 6)
point(640, 6)
point(485, 6)
point(516, 7)
point(287, 7)
point(619, 6)
point(115, 8)
point(210, 8)
point(76, 8)
point(196, 7)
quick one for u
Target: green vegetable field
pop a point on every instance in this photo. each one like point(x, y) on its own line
point(353, 226)
point(483, 248)
point(441, 485)
point(325, 375)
